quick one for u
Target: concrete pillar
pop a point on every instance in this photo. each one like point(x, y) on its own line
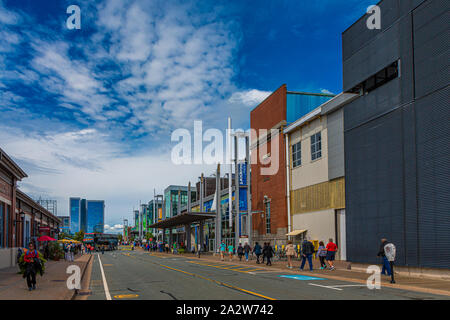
point(218, 220)
point(249, 195)
point(170, 238)
point(201, 235)
point(236, 192)
point(187, 229)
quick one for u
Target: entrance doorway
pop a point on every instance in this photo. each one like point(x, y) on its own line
point(341, 237)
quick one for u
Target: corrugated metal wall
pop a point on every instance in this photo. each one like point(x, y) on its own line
point(397, 138)
point(335, 134)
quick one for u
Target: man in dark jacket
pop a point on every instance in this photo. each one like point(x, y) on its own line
point(307, 252)
point(386, 265)
point(257, 251)
point(240, 251)
point(264, 250)
point(269, 253)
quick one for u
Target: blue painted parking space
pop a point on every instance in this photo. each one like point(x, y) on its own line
point(300, 277)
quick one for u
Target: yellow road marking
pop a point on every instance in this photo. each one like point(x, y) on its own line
point(251, 268)
point(220, 282)
point(126, 296)
point(214, 266)
point(107, 265)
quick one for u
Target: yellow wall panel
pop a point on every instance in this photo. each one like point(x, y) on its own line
point(322, 196)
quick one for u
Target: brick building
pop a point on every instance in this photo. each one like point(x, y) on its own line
point(268, 150)
point(24, 224)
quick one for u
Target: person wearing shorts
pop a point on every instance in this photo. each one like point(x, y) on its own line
point(331, 253)
point(223, 249)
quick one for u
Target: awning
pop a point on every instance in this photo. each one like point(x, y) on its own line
point(183, 219)
point(295, 232)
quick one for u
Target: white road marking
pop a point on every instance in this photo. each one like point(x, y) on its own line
point(350, 285)
point(328, 287)
point(105, 284)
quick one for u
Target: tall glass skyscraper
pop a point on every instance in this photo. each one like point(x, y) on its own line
point(87, 215)
point(75, 206)
point(95, 216)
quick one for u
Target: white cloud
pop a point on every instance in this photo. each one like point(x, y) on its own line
point(326, 91)
point(170, 65)
point(250, 98)
point(83, 163)
point(8, 17)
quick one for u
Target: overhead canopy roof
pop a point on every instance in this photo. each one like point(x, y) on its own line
point(295, 232)
point(183, 219)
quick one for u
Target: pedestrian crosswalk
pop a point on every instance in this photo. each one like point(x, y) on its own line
point(231, 267)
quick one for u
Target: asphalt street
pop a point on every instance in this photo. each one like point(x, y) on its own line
point(125, 275)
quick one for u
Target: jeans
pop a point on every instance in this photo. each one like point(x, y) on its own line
point(322, 262)
point(309, 257)
point(386, 267)
point(31, 275)
point(246, 256)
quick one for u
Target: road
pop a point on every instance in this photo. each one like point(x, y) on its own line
point(126, 275)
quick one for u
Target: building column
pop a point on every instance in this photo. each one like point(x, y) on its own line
point(170, 238)
point(187, 229)
point(201, 236)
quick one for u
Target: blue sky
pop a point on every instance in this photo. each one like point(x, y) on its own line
point(89, 112)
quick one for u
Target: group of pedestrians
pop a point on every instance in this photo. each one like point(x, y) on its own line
point(326, 254)
point(69, 251)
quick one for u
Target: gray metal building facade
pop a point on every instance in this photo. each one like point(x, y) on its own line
point(397, 134)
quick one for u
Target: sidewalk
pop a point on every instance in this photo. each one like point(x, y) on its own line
point(433, 286)
point(51, 286)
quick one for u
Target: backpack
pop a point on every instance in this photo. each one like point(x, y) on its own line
point(389, 251)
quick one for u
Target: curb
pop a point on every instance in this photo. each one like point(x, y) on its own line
point(73, 293)
point(384, 284)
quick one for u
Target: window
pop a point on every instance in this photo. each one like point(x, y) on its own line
point(316, 146)
point(267, 216)
point(1, 225)
point(297, 154)
point(375, 81)
point(7, 226)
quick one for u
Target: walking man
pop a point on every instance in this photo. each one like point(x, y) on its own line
point(387, 252)
point(269, 253)
point(307, 252)
point(240, 251)
point(264, 252)
point(30, 272)
point(247, 250)
point(257, 252)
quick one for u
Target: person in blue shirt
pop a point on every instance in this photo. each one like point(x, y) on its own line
point(223, 249)
point(231, 251)
point(257, 251)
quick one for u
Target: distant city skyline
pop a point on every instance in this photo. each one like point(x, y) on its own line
point(87, 215)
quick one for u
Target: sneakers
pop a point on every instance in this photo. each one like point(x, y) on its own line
point(34, 287)
point(332, 269)
point(30, 288)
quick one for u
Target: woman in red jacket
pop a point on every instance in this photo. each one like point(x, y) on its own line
point(30, 270)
